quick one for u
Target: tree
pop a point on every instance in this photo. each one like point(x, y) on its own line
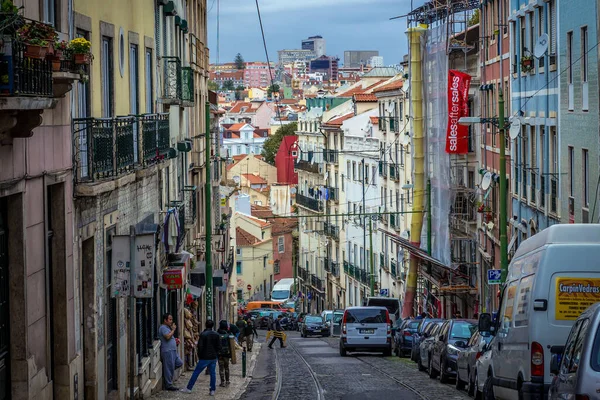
point(240, 88)
point(212, 85)
point(274, 88)
point(474, 20)
point(239, 62)
point(271, 145)
point(228, 85)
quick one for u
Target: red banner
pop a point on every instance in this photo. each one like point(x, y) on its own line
point(457, 137)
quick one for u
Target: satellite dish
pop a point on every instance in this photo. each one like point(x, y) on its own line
point(515, 128)
point(541, 46)
point(405, 235)
point(405, 139)
point(293, 190)
point(486, 181)
point(390, 108)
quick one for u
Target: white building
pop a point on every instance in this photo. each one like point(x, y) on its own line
point(243, 139)
point(375, 61)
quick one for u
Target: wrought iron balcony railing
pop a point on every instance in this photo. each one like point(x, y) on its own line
point(302, 274)
point(327, 265)
point(331, 230)
point(351, 270)
point(391, 124)
point(335, 268)
point(330, 156)
point(23, 75)
point(105, 148)
point(334, 194)
point(307, 166)
point(308, 202)
point(190, 199)
point(346, 267)
point(172, 90)
point(187, 88)
point(316, 282)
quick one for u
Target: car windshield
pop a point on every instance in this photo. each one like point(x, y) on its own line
point(314, 319)
point(280, 294)
point(462, 330)
point(328, 316)
point(413, 325)
point(337, 317)
point(366, 316)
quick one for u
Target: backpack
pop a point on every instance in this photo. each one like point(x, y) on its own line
point(225, 351)
point(241, 324)
point(248, 329)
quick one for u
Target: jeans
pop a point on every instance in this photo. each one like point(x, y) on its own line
point(212, 365)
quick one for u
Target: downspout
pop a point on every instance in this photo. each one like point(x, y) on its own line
point(416, 98)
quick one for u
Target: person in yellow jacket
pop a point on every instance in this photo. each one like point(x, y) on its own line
point(278, 332)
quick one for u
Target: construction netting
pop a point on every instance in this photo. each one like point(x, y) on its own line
point(435, 93)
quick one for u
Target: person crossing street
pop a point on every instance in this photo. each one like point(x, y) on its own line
point(278, 332)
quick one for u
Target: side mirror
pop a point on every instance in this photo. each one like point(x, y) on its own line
point(485, 323)
point(460, 344)
point(554, 364)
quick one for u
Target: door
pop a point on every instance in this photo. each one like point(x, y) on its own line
point(4, 311)
point(111, 321)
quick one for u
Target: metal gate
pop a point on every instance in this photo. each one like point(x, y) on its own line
point(4, 311)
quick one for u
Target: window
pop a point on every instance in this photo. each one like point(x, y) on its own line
point(281, 244)
point(50, 13)
point(552, 29)
point(585, 160)
point(569, 347)
point(571, 169)
point(134, 93)
point(531, 41)
point(265, 262)
point(523, 37)
point(584, 54)
point(553, 151)
point(149, 80)
point(238, 251)
point(107, 77)
point(238, 267)
point(523, 301)
point(506, 313)
point(353, 170)
point(570, 56)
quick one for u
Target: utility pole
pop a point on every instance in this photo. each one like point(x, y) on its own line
point(208, 217)
point(372, 261)
point(503, 194)
point(131, 340)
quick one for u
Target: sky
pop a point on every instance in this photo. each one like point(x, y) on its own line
point(344, 24)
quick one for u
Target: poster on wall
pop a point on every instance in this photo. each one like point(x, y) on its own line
point(121, 264)
point(144, 266)
point(457, 137)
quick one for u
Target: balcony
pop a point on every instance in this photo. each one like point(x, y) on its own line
point(327, 265)
point(391, 124)
point(364, 277)
point(351, 270)
point(316, 282)
point(187, 87)
point(346, 267)
point(383, 169)
point(302, 274)
point(554, 195)
point(106, 149)
point(190, 199)
point(180, 206)
point(172, 81)
point(335, 269)
point(307, 166)
point(330, 156)
point(331, 230)
point(394, 173)
point(334, 194)
point(394, 271)
point(308, 202)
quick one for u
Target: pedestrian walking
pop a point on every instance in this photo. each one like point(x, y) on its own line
point(278, 332)
point(168, 351)
point(209, 347)
point(249, 332)
point(234, 330)
point(224, 353)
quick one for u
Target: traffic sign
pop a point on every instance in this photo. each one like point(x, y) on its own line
point(384, 292)
point(249, 287)
point(494, 276)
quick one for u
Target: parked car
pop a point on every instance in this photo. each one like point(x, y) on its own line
point(425, 346)
point(418, 336)
point(467, 357)
point(367, 328)
point(300, 321)
point(452, 336)
point(314, 325)
point(482, 377)
point(330, 315)
point(404, 336)
point(576, 365)
point(550, 276)
point(395, 328)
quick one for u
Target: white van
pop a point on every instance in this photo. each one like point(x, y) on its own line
point(553, 277)
point(282, 291)
point(393, 305)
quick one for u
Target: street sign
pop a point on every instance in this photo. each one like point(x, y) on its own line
point(249, 287)
point(384, 292)
point(494, 276)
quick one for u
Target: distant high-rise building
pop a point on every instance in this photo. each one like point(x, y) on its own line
point(316, 44)
point(356, 58)
point(291, 56)
point(328, 66)
point(375, 61)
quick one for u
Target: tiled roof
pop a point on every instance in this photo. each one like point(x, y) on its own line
point(397, 84)
point(374, 120)
point(337, 122)
point(239, 157)
point(280, 225)
point(359, 89)
point(261, 222)
point(236, 127)
point(364, 97)
point(237, 107)
point(244, 238)
point(288, 101)
point(255, 179)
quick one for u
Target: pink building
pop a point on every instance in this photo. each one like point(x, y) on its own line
point(257, 75)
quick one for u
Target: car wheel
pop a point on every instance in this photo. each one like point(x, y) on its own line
point(488, 389)
point(432, 372)
point(459, 384)
point(387, 352)
point(342, 351)
point(470, 385)
point(443, 375)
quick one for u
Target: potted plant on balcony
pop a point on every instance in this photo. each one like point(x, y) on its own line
point(60, 54)
point(526, 63)
point(81, 49)
point(36, 37)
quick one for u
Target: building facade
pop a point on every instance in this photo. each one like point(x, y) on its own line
point(358, 58)
point(316, 44)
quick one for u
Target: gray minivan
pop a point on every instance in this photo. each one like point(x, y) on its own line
point(366, 328)
point(576, 365)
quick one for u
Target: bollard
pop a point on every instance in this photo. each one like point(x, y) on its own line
point(244, 362)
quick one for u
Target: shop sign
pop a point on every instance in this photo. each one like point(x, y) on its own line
point(173, 278)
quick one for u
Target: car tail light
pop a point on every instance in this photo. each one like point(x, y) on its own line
point(582, 397)
point(478, 355)
point(537, 359)
point(407, 333)
point(344, 323)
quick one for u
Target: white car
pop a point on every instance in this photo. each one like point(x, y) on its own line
point(482, 368)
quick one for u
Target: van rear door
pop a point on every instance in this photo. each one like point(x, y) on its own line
point(366, 326)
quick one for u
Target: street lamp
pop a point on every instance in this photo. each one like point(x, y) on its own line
point(500, 122)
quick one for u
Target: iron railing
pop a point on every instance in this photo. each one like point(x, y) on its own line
point(542, 191)
point(190, 199)
point(391, 123)
point(394, 173)
point(23, 75)
point(553, 195)
point(307, 166)
point(335, 268)
point(334, 194)
point(309, 203)
point(331, 230)
point(346, 267)
point(187, 88)
point(303, 274)
point(330, 156)
point(327, 266)
point(172, 79)
point(316, 282)
point(105, 148)
point(351, 270)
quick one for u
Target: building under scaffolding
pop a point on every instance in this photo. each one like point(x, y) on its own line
point(451, 42)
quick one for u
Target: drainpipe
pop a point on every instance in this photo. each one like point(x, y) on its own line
point(416, 98)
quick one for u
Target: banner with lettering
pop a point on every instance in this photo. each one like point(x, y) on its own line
point(457, 137)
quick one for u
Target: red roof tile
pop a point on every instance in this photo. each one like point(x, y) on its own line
point(261, 222)
point(397, 84)
point(280, 225)
point(245, 238)
point(337, 122)
point(236, 127)
point(237, 107)
point(364, 97)
point(255, 179)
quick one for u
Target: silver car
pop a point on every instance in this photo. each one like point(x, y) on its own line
point(366, 328)
point(576, 365)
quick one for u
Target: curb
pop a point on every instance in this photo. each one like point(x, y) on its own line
point(249, 371)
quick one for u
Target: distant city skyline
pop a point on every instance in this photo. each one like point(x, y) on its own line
point(349, 25)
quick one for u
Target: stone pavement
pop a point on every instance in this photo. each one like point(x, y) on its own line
point(233, 391)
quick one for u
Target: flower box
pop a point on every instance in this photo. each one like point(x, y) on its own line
point(35, 51)
point(81, 58)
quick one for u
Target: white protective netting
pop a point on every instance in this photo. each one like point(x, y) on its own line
point(435, 93)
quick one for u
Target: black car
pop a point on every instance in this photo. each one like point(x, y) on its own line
point(314, 325)
point(404, 336)
point(452, 336)
point(419, 335)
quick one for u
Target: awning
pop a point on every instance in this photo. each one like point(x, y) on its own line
point(416, 251)
point(195, 291)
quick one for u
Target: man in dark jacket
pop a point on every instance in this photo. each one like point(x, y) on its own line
point(209, 346)
point(278, 332)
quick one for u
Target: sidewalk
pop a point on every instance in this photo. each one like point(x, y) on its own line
point(233, 391)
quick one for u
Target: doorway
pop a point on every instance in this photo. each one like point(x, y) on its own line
point(4, 310)
point(111, 319)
